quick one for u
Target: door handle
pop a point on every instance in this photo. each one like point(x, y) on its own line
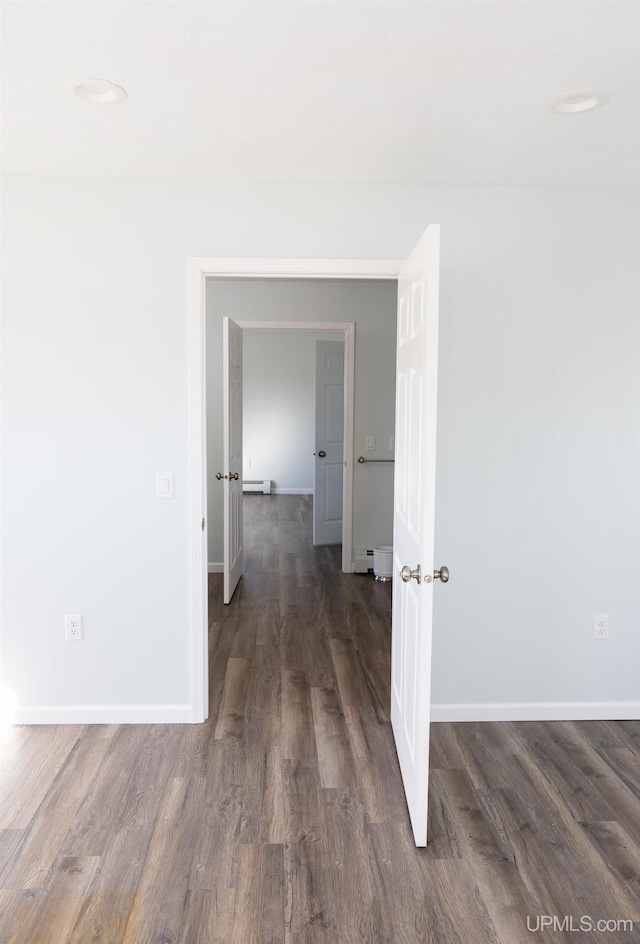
point(406, 573)
point(219, 476)
point(322, 454)
point(234, 476)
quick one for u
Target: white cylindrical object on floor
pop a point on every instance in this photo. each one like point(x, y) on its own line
point(383, 562)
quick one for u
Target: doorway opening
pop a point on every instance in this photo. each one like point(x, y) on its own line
point(283, 398)
point(294, 424)
point(200, 271)
point(314, 444)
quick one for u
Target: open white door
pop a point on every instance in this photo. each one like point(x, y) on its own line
point(232, 447)
point(413, 529)
point(329, 455)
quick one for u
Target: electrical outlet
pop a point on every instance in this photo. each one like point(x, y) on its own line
point(600, 625)
point(73, 626)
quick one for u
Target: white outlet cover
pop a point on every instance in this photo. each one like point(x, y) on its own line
point(73, 626)
point(600, 625)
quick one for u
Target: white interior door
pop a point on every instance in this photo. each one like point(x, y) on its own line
point(413, 530)
point(232, 449)
point(329, 457)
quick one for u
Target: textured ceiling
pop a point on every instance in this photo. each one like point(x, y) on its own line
point(438, 91)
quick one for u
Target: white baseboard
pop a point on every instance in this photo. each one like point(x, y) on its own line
point(215, 568)
point(292, 491)
point(181, 714)
point(539, 711)
point(103, 714)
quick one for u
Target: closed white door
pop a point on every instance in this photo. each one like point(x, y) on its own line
point(232, 447)
point(413, 531)
point(329, 456)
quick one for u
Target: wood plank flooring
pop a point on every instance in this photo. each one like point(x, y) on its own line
point(282, 819)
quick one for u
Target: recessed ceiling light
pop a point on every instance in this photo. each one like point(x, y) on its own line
point(99, 92)
point(571, 102)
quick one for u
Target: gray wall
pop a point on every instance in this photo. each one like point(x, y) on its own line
point(537, 506)
point(372, 306)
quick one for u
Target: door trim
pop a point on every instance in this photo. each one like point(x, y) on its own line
point(199, 269)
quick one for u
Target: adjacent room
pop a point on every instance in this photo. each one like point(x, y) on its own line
point(450, 191)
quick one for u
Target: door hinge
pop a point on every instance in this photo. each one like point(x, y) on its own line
point(203, 524)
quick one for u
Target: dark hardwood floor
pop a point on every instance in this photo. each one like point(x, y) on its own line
point(282, 819)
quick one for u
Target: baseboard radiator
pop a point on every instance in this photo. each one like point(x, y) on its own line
point(362, 560)
point(258, 485)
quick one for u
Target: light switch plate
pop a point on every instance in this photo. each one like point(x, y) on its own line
point(164, 484)
point(369, 443)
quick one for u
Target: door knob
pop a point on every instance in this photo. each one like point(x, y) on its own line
point(234, 475)
point(219, 475)
point(406, 573)
point(442, 574)
point(322, 454)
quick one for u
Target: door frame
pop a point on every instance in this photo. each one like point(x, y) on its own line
point(199, 269)
point(348, 330)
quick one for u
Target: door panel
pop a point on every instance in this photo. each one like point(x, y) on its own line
point(414, 505)
point(328, 476)
point(232, 446)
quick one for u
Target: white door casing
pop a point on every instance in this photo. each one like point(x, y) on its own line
point(199, 271)
point(413, 532)
point(329, 468)
point(232, 450)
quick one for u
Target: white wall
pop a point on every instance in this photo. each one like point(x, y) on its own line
point(538, 513)
point(372, 306)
